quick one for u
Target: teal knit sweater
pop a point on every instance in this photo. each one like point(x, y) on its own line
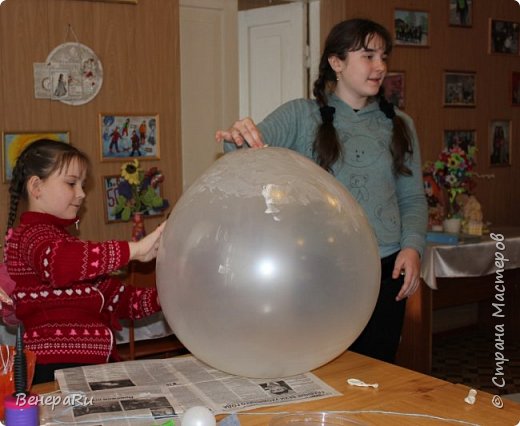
point(395, 205)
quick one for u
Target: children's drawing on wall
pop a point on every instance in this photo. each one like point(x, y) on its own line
point(464, 139)
point(461, 12)
point(126, 136)
point(13, 143)
point(393, 86)
point(500, 142)
point(60, 82)
point(515, 88)
point(504, 37)
point(460, 89)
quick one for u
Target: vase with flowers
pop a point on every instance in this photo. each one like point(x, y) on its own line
point(139, 196)
point(453, 171)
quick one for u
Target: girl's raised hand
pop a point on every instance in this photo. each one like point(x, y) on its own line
point(146, 249)
point(242, 131)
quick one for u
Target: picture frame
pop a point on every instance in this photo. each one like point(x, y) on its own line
point(127, 136)
point(504, 37)
point(515, 88)
point(394, 88)
point(460, 88)
point(460, 13)
point(13, 143)
point(462, 138)
point(116, 1)
point(411, 28)
point(500, 137)
point(109, 184)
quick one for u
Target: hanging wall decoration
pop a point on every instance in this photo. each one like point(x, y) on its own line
point(72, 74)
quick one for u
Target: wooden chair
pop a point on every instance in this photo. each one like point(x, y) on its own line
point(143, 275)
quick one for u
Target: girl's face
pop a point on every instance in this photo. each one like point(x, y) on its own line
point(61, 194)
point(361, 74)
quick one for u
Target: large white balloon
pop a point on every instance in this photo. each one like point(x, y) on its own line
point(267, 266)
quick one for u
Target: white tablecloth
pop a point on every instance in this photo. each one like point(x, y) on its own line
point(471, 259)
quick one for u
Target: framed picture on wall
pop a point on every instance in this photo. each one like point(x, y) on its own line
point(110, 185)
point(116, 1)
point(461, 13)
point(110, 194)
point(13, 143)
point(459, 89)
point(504, 37)
point(123, 136)
point(515, 88)
point(393, 86)
point(500, 142)
point(465, 139)
point(411, 28)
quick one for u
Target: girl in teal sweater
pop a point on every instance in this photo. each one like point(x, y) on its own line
point(351, 131)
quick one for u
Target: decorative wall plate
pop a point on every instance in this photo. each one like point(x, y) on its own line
point(76, 73)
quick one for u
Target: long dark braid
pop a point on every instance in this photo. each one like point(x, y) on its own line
point(41, 158)
point(401, 145)
point(326, 146)
point(347, 36)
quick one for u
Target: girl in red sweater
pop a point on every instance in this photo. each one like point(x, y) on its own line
point(64, 295)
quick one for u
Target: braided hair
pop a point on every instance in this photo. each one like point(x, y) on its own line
point(41, 158)
point(349, 36)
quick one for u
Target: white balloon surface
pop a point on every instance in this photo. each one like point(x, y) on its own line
point(198, 416)
point(267, 266)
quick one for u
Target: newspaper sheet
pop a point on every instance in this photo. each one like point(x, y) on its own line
point(152, 390)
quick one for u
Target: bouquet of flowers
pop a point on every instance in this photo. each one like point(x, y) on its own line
point(453, 171)
point(138, 191)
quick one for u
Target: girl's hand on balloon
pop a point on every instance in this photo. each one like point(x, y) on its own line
point(242, 131)
point(146, 249)
point(408, 263)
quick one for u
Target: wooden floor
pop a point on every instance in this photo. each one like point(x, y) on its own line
point(467, 356)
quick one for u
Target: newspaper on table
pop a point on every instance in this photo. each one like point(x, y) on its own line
point(161, 388)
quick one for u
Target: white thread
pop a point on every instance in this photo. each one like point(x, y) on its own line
point(394, 413)
point(391, 413)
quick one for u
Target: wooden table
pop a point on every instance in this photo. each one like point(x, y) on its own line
point(400, 390)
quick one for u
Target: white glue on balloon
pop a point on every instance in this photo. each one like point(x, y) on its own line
point(268, 266)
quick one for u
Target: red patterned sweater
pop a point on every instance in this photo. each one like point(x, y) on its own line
point(64, 296)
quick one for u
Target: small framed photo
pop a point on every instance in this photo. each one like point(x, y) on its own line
point(117, 1)
point(465, 139)
point(411, 28)
point(110, 194)
point(500, 142)
point(13, 143)
point(393, 86)
point(460, 89)
point(515, 88)
point(110, 185)
point(461, 13)
point(504, 37)
point(123, 136)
